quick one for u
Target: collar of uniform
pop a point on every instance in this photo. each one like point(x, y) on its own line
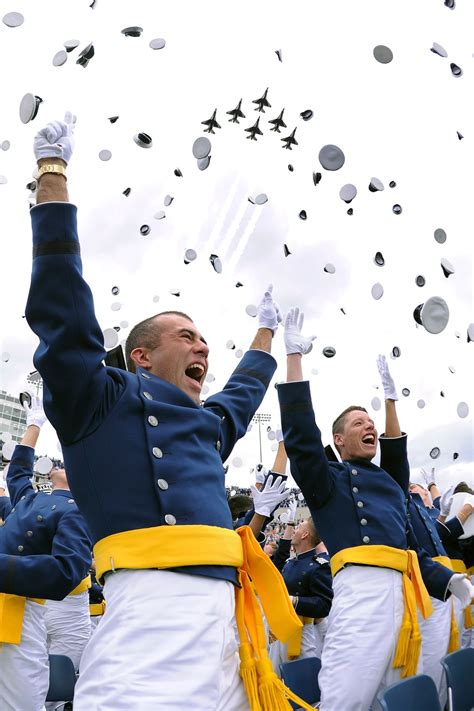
point(306, 554)
point(173, 394)
point(61, 492)
point(418, 500)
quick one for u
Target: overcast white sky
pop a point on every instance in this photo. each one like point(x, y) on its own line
point(395, 122)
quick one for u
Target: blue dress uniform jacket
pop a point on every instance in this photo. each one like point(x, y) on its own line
point(357, 502)
point(309, 577)
point(424, 527)
point(45, 550)
point(5, 506)
point(139, 452)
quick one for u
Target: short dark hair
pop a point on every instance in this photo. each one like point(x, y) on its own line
point(313, 531)
point(146, 334)
point(463, 488)
point(340, 421)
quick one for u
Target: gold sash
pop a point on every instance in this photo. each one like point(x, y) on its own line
point(415, 595)
point(12, 611)
point(176, 546)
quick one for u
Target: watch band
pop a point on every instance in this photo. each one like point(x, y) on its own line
point(51, 168)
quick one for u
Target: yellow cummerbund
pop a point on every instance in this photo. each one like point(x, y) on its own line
point(96, 609)
point(164, 547)
point(168, 547)
point(458, 565)
point(415, 594)
point(82, 587)
point(12, 611)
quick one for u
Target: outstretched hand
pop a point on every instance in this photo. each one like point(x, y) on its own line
point(388, 385)
point(269, 315)
point(295, 342)
point(56, 140)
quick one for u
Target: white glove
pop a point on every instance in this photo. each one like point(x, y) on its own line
point(295, 342)
point(389, 389)
point(429, 477)
point(35, 414)
point(292, 505)
point(56, 140)
point(445, 501)
point(272, 494)
point(460, 586)
point(269, 315)
point(260, 473)
point(279, 435)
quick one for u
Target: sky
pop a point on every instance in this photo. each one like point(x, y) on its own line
point(396, 121)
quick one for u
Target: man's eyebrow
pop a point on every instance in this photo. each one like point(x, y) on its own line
point(192, 333)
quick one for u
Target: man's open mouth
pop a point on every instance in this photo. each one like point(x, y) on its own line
point(195, 372)
point(369, 439)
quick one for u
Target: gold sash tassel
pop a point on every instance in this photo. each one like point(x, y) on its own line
point(454, 642)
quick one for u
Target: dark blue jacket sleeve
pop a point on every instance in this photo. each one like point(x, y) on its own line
point(52, 576)
point(435, 576)
point(309, 464)
point(394, 460)
point(20, 472)
point(282, 553)
point(60, 310)
point(237, 403)
point(5, 507)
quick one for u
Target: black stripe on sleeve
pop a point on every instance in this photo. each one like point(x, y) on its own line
point(46, 248)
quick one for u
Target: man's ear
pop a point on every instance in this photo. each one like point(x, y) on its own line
point(338, 439)
point(141, 357)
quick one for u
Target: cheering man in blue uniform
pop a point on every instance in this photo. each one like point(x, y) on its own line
point(360, 511)
point(145, 464)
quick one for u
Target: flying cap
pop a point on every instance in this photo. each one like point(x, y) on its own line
point(433, 315)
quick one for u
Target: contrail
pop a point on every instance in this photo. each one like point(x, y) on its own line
point(214, 234)
point(244, 239)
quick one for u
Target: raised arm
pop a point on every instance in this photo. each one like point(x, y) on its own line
point(309, 464)
point(20, 470)
point(50, 576)
point(241, 397)
point(268, 319)
point(60, 308)
point(393, 459)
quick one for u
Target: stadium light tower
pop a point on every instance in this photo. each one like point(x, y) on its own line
point(259, 418)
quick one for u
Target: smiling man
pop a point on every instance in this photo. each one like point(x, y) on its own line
point(359, 509)
point(145, 465)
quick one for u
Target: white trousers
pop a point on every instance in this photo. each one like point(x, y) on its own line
point(360, 643)
point(24, 668)
point(68, 625)
point(435, 642)
point(320, 630)
point(278, 651)
point(166, 642)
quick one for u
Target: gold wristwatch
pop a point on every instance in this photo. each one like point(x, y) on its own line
point(51, 168)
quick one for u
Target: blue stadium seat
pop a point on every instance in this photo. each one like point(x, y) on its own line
point(301, 676)
point(459, 668)
point(62, 678)
point(417, 693)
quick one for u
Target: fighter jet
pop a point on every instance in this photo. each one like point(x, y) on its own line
point(290, 140)
point(253, 130)
point(278, 122)
point(211, 123)
point(236, 113)
point(262, 101)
